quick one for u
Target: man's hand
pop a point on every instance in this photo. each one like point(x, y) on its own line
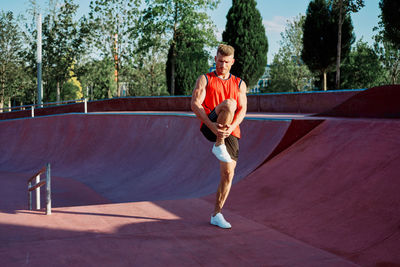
point(223, 131)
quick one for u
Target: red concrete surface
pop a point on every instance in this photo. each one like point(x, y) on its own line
point(300, 102)
point(134, 189)
point(148, 157)
point(103, 165)
point(336, 189)
point(376, 102)
point(167, 233)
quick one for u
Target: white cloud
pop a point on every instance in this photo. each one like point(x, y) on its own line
point(219, 32)
point(276, 25)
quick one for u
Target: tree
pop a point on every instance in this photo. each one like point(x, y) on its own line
point(320, 38)
point(148, 72)
point(191, 60)
point(246, 33)
point(97, 78)
point(149, 79)
point(113, 26)
point(149, 64)
point(389, 56)
point(362, 68)
point(185, 20)
point(11, 64)
point(343, 8)
point(62, 46)
point(288, 71)
point(391, 20)
point(72, 89)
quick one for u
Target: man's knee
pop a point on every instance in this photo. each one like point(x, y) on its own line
point(228, 105)
point(227, 174)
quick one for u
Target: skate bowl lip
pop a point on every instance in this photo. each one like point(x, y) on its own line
point(256, 116)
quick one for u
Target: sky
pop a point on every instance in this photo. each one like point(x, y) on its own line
point(275, 15)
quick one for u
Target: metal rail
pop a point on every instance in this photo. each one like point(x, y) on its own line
point(36, 187)
point(50, 104)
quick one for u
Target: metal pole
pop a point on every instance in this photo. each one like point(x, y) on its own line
point(33, 111)
point(48, 190)
point(39, 59)
point(85, 105)
point(29, 196)
point(37, 191)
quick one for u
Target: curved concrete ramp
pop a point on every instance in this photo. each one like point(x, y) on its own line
point(336, 189)
point(104, 160)
point(129, 157)
point(134, 190)
point(376, 102)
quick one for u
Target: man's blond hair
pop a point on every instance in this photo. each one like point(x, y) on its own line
point(226, 50)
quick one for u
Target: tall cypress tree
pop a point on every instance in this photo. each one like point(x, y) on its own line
point(246, 33)
point(320, 37)
point(391, 20)
point(188, 50)
point(172, 18)
point(343, 8)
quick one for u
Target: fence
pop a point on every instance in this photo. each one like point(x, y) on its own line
point(34, 106)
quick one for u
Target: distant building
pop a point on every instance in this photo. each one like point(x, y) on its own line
point(262, 82)
point(212, 68)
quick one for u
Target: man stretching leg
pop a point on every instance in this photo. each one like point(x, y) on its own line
point(219, 101)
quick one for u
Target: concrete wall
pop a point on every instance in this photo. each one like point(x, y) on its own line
point(310, 102)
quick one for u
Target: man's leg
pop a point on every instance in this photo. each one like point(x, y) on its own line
point(227, 170)
point(225, 111)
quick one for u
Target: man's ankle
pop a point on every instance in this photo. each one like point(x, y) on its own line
point(215, 213)
point(218, 143)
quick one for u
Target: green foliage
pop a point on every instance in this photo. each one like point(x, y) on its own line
point(348, 6)
point(108, 18)
point(72, 89)
point(320, 37)
point(343, 8)
point(113, 27)
point(62, 46)
point(14, 80)
point(97, 79)
point(389, 57)
point(187, 26)
point(390, 17)
point(288, 72)
point(362, 68)
point(146, 33)
point(319, 47)
point(191, 61)
point(246, 33)
point(149, 78)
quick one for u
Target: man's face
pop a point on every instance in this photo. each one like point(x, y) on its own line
point(223, 64)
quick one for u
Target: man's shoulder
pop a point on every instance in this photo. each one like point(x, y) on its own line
point(236, 77)
point(208, 74)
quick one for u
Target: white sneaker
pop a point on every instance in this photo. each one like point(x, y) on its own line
point(219, 220)
point(221, 153)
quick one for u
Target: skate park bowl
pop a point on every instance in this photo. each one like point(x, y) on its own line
point(134, 181)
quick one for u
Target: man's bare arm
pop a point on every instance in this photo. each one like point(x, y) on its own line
point(198, 96)
point(241, 107)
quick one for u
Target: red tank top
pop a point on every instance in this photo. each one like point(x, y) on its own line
point(218, 90)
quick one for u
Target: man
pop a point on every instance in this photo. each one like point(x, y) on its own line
point(219, 101)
